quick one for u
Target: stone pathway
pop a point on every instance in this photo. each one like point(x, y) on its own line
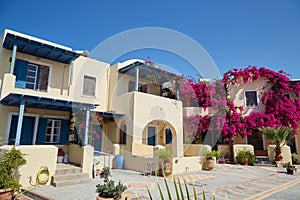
point(260, 184)
point(225, 181)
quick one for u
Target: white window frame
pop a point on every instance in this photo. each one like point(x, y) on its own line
point(96, 81)
point(34, 62)
point(245, 99)
point(35, 76)
point(52, 131)
point(36, 123)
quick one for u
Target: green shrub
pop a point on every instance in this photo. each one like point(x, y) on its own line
point(10, 162)
point(164, 154)
point(109, 189)
point(213, 153)
point(246, 153)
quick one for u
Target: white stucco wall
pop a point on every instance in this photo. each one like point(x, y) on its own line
point(92, 68)
point(35, 156)
point(237, 94)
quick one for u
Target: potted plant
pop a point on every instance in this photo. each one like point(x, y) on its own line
point(165, 162)
point(10, 162)
point(245, 157)
point(108, 190)
point(105, 173)
point(290, 169)
point(209, 159)
point(279, 136)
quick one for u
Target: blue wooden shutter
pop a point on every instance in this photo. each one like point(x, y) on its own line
point(64, 131)
point(21, 73)
point(40, 138)
point(168, 136)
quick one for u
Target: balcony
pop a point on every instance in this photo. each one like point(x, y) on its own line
point(9, 86)
point(139, 103)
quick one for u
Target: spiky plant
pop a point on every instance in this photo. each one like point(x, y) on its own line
point(279, 136)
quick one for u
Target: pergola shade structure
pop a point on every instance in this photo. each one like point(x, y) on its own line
point(39, 49)
point(146, 71)
point(22, 101)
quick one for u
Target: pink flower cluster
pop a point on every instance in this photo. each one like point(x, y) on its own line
point(280, 108)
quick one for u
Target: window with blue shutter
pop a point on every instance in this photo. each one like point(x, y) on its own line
point(40, 138)
point(21, 73)
point(31, 76)
point(168, 136)
point(64, 131)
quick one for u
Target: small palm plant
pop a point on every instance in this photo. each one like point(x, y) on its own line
point(279, 136)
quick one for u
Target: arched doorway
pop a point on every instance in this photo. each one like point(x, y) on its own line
point(159, 133)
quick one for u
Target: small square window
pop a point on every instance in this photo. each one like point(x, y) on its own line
point(53, 131)
point(251, 99)
point(89, 86)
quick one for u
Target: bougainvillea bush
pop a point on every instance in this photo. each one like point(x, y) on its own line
point(280, 108)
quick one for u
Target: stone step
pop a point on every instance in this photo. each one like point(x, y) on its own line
point(67, 170)
point(66, 174)
point(71, 182)
point(23, 197)
point(30, 195)
point(69, 176)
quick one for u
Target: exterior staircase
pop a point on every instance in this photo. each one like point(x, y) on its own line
point(67, 174)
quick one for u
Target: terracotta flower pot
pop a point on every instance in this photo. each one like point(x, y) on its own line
point(6, 194)
point(245, 161)
point(165, 169)
point(209, 164)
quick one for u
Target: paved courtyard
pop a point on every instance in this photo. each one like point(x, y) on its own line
point(225, 181)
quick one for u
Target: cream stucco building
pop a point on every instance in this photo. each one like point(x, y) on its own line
point(123, 109)
point(47, 87)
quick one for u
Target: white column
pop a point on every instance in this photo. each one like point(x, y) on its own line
point(71, 73)
point(87, 124)
point(20, 121)
point(13, 59)
point(136, 79)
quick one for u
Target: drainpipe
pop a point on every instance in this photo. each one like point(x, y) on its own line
point(71, 75)
point(13, 59)
point(136, 79)
point(20, 121)
point(87, 123)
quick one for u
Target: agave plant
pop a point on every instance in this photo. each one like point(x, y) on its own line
point(279, 136)
point(179, 193)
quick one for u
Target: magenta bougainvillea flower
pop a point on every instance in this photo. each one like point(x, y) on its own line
point(280, 108)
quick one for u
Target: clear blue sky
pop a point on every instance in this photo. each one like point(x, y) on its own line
point(234, 33)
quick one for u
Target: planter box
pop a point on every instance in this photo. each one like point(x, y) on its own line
point(6, 194)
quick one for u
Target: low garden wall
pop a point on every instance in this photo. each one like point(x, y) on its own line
point(286, 153)
point(195, 149)
point(241, 147)
point(36, 157)
point(84, 156)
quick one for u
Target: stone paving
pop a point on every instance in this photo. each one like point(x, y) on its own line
point(225, 181)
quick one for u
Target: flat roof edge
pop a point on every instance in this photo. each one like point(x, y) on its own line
point(6, 31)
